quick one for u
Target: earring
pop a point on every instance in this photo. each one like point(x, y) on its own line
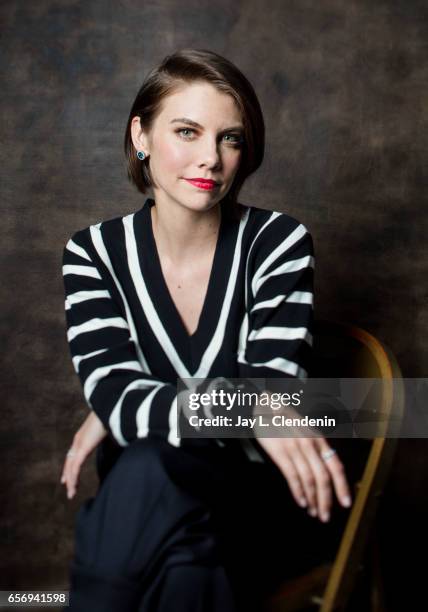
point(141, 155)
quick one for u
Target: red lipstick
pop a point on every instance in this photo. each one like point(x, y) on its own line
point(202, 183)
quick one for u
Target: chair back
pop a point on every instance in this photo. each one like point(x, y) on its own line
point(347, 351)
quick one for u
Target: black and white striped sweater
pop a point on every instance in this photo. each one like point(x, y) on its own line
point(128, 342)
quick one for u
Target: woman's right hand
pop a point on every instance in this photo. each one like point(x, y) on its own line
point(87, 437)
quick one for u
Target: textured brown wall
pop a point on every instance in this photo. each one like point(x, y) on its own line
point(344, 90)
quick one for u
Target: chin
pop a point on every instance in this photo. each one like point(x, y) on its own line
point(202, 201)
point(202, 206)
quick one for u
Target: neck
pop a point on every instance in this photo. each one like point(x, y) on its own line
point(182, 234)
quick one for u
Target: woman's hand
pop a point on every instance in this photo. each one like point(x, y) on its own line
point(310, 466)
point(309, 477)
point(87, 437)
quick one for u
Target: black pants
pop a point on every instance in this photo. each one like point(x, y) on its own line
point(190, 529)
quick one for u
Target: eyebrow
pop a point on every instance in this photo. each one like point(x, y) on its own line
point(198, 125)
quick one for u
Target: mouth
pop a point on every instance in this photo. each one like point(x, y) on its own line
point(201, 183)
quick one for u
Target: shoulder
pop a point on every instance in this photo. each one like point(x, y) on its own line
point(268, 230)
point(104, 230)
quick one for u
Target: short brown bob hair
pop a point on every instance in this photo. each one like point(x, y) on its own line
point(191, 65)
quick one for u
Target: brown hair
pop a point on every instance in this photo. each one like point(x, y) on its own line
point(198, 65)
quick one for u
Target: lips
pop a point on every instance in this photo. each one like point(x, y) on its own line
point(201, 183)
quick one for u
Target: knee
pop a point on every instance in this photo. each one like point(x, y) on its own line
point(149, 465)
point(143, 454)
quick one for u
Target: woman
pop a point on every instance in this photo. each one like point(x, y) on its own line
point(193, 284)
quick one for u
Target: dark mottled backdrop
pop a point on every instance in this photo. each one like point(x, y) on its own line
point(343, 84)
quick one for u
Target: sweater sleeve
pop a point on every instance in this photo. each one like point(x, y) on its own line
point(276, 336)
point(116, 381)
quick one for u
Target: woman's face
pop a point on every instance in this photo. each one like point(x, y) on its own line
point(197, 135)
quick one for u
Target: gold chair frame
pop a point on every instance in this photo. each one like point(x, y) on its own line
point(342, 350)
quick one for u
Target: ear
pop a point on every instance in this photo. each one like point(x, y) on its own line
point(139, 138)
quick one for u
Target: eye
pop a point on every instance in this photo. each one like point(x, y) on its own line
point(185, 132)
point(234, 139)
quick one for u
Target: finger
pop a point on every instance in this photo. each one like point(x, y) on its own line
point(68, 478)
point(71, 472)
point(306, 477)
point(293, 479)
point(71, 480)
point(322, 478)
point(74, 473)
point(337, 471)
point(62, 479)
point(65, 471)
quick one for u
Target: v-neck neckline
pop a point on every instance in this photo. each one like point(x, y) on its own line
point(166, 294)
point(190, 348)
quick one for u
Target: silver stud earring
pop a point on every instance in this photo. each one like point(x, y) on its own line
point(141, 155)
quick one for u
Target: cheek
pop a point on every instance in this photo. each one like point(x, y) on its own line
point(171, 155)
point(232, 161)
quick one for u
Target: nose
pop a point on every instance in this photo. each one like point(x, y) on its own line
point(209, 153)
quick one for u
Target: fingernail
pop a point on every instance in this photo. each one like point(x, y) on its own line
point(346, 501)
point(325, 516)
point(302, 502)
point(312, 511)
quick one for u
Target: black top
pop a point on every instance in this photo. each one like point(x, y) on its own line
point(128, 342)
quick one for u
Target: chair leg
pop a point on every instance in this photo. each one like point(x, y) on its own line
point(377, 586)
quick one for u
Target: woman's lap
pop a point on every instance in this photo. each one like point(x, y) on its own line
point(160, 509)
point(146, 519)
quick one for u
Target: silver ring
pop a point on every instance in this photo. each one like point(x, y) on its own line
point(70, 453)
point(325, 455)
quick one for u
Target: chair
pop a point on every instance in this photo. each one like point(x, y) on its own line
point(345, 351)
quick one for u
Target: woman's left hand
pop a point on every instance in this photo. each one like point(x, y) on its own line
point(311, 478)
point(311, 467)
point(87, 437)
